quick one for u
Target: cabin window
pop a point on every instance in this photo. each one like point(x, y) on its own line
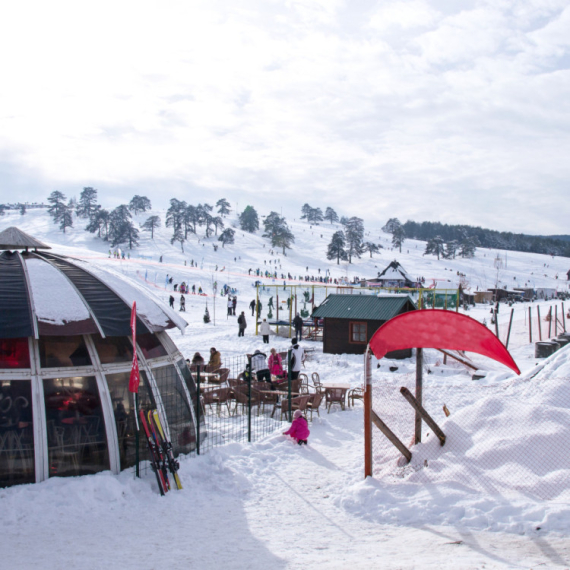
point(358, 333)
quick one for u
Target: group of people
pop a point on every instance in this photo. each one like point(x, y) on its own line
point(265, 368)
point(214, 363)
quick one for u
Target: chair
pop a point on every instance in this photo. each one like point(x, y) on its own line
point(218, 397)
point(335, 396)
point(297, 403)
point(315, 403)
point(304, 379)
point(243, 399)
point(315, 378)
point(355, 394)
point(224, 374)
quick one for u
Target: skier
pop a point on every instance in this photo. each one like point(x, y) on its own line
point(252, 307)
point(230, 306)
point(171, 301)
point(242, 324)
point(234, 305)
point(182, 303)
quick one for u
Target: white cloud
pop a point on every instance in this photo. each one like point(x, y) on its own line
point(379, 109)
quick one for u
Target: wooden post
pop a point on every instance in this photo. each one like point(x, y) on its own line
point(423, 414)
point(510, 325)
point(391, 436)
point(529, 326)
point(418, 421)
point(539, 323)
point(367, 416)
point(550, 322)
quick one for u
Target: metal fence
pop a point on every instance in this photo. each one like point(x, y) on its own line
point(501, 439)
point(233, 406)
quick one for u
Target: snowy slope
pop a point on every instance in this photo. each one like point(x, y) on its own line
point(274, 505)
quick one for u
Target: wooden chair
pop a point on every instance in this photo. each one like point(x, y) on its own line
point(297, 403)
point(242, 399)
point(315, 403)
point(304, 379)
point(218, 397)
point(355, 394)
point(335, 396)
point(315, 378)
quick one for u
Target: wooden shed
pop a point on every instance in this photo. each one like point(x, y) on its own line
point(349, 321)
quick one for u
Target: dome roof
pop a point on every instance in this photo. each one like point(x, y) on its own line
point(47, 294)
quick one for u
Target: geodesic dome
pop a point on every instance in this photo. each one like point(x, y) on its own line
point(65, 358)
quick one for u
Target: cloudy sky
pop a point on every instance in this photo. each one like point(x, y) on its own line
point(447, 110)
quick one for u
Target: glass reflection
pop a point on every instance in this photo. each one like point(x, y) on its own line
point(77, 442)
point(113, 349)
point(14, 353)
point(16, 433)
point(123, 410)
point(177, 410)
point(151, 346)
point(63, 351)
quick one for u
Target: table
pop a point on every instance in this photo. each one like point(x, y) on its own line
point(208, 377)
point(344, 385)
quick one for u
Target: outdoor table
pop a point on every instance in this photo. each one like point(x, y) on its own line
point(344, 385)
point(209, 378)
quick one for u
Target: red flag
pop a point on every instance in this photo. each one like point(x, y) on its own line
point(135, 377)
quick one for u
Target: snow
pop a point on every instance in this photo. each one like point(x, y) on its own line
point(55, 299)
point(496, 495)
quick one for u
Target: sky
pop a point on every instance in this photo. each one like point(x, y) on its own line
point(420, 109)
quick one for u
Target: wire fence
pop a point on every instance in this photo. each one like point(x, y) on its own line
point(234, 405)
point(501, 439)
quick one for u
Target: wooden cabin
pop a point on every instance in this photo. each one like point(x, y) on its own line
point(349, 321)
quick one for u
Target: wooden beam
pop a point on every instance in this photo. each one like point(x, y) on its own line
point(391, 436)
point(419, 380)
point(425, 416)
point(464, 362)
point(367, 415)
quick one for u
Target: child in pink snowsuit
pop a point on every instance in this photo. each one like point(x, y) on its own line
point(299, 429)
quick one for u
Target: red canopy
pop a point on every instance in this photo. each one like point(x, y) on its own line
point(439, 329)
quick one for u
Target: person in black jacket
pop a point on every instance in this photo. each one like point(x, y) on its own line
point(242, 324)
point(298, 322)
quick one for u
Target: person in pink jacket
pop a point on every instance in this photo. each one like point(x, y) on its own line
point(275, 363)
point(299, 429)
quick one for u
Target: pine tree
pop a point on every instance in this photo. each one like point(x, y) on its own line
point(58, 206)
point(22, 209)
point(223, 207)
point(249, 220)
point(121, 228)
point(354, 235)
point(370, 247)
point(451, 248)
point(99, 220)
point(435, 246)
point(227, 236)
point(336, 247)
point(277, 230)
point(468, 246)
point(206, 316)
point(331, 215)
point(66, 218)
point(391, 225)
point(87, 202)
point(398, 235)
point(151, 223)
point(139, 204)
point(178, 235)
point(175, 218)
point(218, 223)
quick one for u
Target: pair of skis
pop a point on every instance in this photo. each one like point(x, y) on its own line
point(161, 454)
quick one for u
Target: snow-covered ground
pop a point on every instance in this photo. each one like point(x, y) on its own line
point(495, 496)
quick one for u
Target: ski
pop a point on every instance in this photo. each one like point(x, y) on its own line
point(173, 464)
point(162, 456)
point(155, 455)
